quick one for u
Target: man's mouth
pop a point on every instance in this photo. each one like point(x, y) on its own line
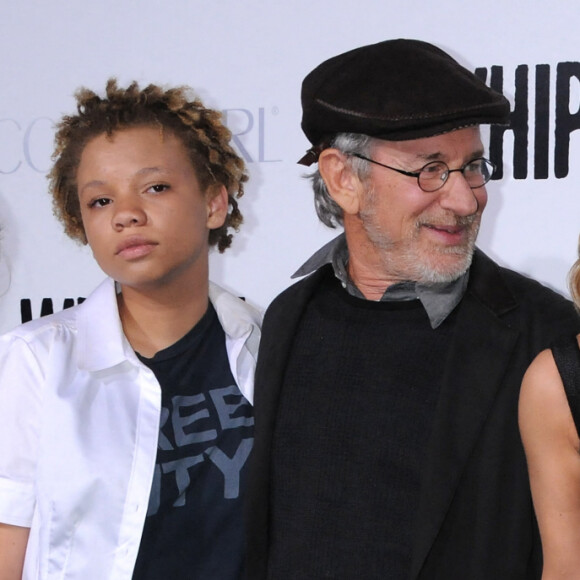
point(455, 229)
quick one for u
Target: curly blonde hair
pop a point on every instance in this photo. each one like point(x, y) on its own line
point(177, 110)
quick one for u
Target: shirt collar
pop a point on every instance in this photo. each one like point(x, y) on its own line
point(102, 344)
point(439, 300)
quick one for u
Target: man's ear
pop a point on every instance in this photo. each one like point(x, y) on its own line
point(342, 183)
point(217, 206)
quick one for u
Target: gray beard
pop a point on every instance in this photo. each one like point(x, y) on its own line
point(404, 263)
point(425, 274)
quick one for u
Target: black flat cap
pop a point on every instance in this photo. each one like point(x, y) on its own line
point(395, 90)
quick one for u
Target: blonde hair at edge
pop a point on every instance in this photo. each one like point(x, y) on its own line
point(574, 280)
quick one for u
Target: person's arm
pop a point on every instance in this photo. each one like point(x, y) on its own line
point(21, 405)
point(13, 541)
point(552, 451)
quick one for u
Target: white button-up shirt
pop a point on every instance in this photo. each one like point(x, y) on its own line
point(79, 426)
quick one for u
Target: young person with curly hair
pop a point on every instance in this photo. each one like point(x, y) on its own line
point(549, 417)
point(126, 421)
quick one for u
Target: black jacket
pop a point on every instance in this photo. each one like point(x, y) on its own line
point(475, 518)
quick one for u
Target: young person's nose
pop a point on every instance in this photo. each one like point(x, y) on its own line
point(128, 214)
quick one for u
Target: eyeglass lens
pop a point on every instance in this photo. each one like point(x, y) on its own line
point(477, 173)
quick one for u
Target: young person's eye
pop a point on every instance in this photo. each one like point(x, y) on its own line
point(159, 187)
point(99, 202)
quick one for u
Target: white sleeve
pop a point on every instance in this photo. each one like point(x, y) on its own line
point(21, 381)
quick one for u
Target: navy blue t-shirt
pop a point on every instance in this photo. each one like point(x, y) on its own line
point(194, 527)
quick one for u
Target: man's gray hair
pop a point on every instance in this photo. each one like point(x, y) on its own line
point(328, 211)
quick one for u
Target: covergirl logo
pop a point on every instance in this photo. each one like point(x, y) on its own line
point(28, 144)
point(25, 145)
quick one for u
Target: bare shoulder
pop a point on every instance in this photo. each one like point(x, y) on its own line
point(543, 406)
point(552, 446)
point(542, 381)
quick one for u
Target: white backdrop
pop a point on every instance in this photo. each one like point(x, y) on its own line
point(249, 58)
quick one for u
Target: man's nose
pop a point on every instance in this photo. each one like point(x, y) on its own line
point(457, 195)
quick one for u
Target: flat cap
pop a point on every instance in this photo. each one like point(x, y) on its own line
point(395, 90)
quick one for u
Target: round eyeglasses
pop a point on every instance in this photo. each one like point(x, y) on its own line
point(435, 174)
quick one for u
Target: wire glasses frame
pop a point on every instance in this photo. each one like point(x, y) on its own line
point(434, 175)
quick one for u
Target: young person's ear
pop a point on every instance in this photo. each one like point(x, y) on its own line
point(342, 183)
point(217, 206)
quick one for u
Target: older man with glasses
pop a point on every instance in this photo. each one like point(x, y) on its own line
point(386, 442)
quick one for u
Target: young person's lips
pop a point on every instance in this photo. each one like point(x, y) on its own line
point(135, 247)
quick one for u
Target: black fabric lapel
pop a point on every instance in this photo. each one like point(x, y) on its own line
point(278, 331)
point(477, 363)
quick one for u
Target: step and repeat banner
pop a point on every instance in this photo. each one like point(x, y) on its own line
point(248, 60)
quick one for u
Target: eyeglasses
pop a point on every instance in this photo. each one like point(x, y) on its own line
point(435, 174)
